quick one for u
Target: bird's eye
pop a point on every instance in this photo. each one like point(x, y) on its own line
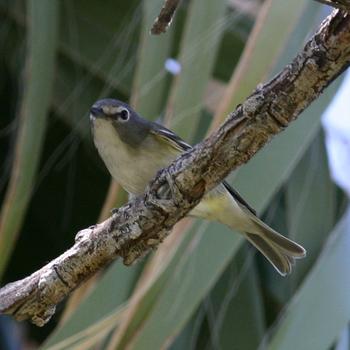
point(124, 115)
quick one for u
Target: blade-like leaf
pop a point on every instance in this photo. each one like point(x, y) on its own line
point(237, 312)
point(205, 24)
point(321, 308)
point(38, 82)
point(102, 40)
point(116, 282)
point(152, 280)
point(150, 77)
point(307, 215)
point(311, 204)
point(97, 52)
point(275, 21)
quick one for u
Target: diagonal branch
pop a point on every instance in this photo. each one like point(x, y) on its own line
point(340, 4)
point(144, 222)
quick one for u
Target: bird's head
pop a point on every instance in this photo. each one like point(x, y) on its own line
point(111, 110)
point(120, 119)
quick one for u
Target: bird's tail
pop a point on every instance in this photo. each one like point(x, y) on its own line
point(280, 251)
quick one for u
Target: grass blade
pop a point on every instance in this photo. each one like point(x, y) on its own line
point(39, 72)
point(150, 77)
point(205, 24)
point(272, 28)
point(318, 304)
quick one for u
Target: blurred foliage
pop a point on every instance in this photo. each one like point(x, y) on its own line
point(204, 288)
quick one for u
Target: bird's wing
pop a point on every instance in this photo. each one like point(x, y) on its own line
point(170, 138)
point(176, 142)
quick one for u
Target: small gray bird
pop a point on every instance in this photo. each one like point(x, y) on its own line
point(134, 149)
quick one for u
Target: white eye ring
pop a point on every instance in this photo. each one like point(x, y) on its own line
point(124, 115)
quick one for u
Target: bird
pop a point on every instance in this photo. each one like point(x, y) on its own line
point(134, 149)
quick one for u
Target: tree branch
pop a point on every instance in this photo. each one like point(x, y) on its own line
point(340, 4)
point(144, 222)
point(162, 22)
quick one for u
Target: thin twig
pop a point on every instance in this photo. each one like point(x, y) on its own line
point(165, 17)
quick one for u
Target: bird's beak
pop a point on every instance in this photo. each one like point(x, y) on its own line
point(96, 112)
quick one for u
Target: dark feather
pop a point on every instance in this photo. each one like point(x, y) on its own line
point(168, 136)
point(238, 197)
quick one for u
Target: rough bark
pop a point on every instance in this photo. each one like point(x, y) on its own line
point(144, 222)
point(166, 15)
point(340, 4)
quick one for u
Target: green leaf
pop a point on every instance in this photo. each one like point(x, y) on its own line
point(187, 283)
point(101, 39)
point(38, 83)
point(203, 29)
point(99, 304)
point(320, 309)
point(150, 297)
point(237, 311)
point(150, 76)
point(311, 204)
point(276, 21)
point(307, 214)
